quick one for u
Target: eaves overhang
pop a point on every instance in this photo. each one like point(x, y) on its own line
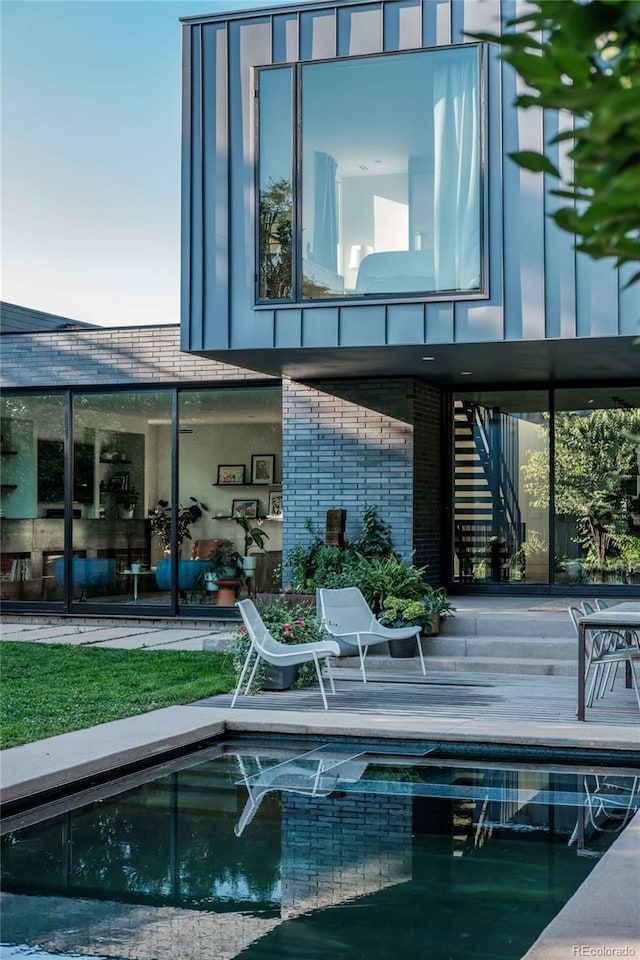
point(533, 361)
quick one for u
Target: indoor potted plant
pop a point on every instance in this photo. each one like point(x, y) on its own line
point(225, 569)
point(160, 518)
point(253, 536)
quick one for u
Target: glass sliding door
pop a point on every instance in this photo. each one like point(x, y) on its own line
point(501, 487)
point(230, 469)
point(122, 466)
point(33, 496)
point(597, 485)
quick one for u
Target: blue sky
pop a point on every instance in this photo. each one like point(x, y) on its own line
point(90, 175)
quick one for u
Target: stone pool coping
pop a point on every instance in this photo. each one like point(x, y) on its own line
point(600, 920)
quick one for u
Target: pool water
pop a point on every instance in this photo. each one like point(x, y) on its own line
point(275, 850)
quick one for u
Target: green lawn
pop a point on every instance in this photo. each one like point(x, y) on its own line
point(49, 689)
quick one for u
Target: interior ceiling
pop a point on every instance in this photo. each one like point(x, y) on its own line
point(462, 365)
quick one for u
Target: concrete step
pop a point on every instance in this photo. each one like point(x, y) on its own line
point(509, 624)
point(490, 665)
point(508, 648)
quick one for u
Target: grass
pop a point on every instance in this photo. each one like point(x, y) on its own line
point(47, 689)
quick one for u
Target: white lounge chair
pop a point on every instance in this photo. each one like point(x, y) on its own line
point(265, 647)
point(345, 614)
point(307, 775)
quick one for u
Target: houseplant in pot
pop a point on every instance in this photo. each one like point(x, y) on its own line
point(226, 570)
point(161, 519)
point(254, 536)
point(438, 607)
point(398, 612)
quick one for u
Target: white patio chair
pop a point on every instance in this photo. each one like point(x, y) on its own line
point(265, 647)
point(306, 777)
point(346, 614)
point(605, 649)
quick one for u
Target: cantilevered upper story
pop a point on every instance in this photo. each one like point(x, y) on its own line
point(348, 203)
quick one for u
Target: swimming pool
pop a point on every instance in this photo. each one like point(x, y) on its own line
point(276, 849)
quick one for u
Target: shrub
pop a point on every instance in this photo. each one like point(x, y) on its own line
point(286, 622)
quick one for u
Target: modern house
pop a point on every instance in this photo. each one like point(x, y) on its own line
point(420, 334)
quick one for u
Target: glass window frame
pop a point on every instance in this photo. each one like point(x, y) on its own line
point(297, 300)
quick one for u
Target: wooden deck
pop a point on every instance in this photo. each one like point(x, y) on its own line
point(500, 697)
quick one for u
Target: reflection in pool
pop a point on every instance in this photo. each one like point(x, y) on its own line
point(272, 850)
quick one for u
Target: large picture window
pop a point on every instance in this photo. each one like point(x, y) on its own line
point(387, 197)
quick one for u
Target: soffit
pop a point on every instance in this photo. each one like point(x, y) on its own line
point(537, 361)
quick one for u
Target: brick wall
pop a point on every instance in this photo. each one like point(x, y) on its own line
point(340, 848)
point(108, 356)
point(347, 443)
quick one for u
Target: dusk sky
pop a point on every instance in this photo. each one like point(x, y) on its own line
point(90, 129)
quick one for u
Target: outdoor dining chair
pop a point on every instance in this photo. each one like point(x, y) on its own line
point(265, 647)
point(346, 615)
point(605, 650)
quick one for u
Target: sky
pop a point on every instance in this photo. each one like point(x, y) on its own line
point(90, 156)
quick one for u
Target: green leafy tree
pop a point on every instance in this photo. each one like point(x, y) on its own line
point(596, 470)
point(275, 240)
point(584, 58)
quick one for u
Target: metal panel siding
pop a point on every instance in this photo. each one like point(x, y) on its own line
point(560, 285)
point(405, 323)
point(629, 306)
point(402, 24)
point(197, 225)
point(536, 288)
point(187, 341)
point(249, 46)
point(359, 30)
point(483, 320)
point(288, 328)
point(215, 185)
point(285, 38)
point(320, 327)
point(360, 326)
point(597, 298)
point(440, 323)
point(317, 34)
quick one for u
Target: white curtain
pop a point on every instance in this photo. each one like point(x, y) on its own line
point(456, 170)
point(325, 214)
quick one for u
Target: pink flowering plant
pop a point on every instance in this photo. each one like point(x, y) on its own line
point(287, 623)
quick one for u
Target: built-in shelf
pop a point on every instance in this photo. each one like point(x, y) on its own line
point(225, 516)
point(9, 486)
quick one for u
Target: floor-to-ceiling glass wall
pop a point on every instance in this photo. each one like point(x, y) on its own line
point(230, 475)
point(103, 491)
point(122, 458)
point(547, 487)
point(33, 493)
point(597, 485)
point(501, 487)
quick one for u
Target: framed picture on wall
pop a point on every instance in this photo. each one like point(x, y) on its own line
point(263, 467)
point(275, 503)
point(245, 508)
point(230, 474)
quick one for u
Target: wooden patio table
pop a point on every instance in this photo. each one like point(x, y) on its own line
point(622, 616)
